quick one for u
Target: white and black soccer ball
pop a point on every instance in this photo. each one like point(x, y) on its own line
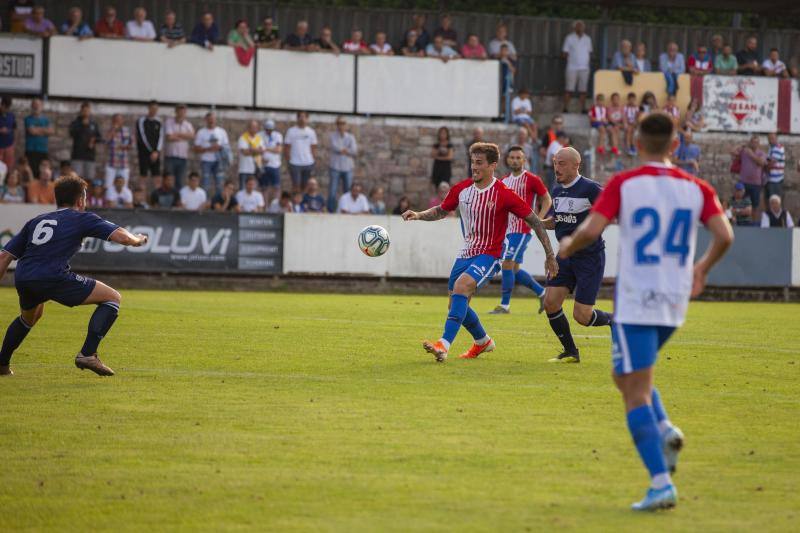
point(373, 241)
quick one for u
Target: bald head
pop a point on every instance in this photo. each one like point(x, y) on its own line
point(566, 163)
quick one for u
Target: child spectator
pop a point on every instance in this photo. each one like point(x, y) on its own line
point(631, 111)
point(355, 44)
point(671, 109)
point(694, 117)
point(616, 122)
point(283, 204)
point(648, 105)
point(598, 117)
point(380, 47)
point(522, 111)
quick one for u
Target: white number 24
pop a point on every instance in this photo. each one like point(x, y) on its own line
point(43, 231)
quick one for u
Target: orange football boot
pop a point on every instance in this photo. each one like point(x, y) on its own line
point(437, 349)
point(477, 349)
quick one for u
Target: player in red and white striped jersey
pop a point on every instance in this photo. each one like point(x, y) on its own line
point(530, 188)
point(659, 208)
point(485, 204)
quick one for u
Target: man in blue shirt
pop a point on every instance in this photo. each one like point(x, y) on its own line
point(37, 131)
point(43, 249)
point(206, 33)
point(8, 123)
point(688, 154)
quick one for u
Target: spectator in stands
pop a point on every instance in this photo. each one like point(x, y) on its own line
point(356, 43)
point(473, 49)
point(270, 180)
point(725, 64)
point(251, 149)
point(403, 205)
point(754, 161)
point(178, 132)
point(748, 59)
point(741, 207)
point(211, 142)
point(377, 205)
point(776, 164)
point(687, 156)
point(75, 26)
point(172, 32)
point(282, 204)
point(165, 195)
point(438, 198)
point(556, 125)
point(671, 109)
point(423, 37)
point(776, 216)
point(25, 171)
point(598, 119)
point(717, 45)
point(694, 116)
point(139, 28)
point(625, 61)
point(119, 142)
point(477, 136)
point(300, 40)
point(562, 140)
point(140, 198)
point(411, 47)
point(119, 195)
point(523, 139)
point(380, 47)
point(642, 62)
point(312, 200)
point(19, 11)
point(446, 32)
point(250, 199)
point(522, 112)
point(225, 200)
point(616, 122)
point(206, 32)
point(343, 151)
point(325, 42)
point(649, 103)
point(443, 154)
point(38, 25)
point(193, 197)
point(300, 149)
point(438, 49)
point(773, 66)
point(64, 168)
point(500, 39)
point(42, 190)
point(8, 126)
point(243, 44)
point(507, 69)
point(85, 134)
point(96, 195)
point(149, 141)
point(109, 27)
point(12, 192)
point(672, 64)
point(701, 62)
point(354, 202)
point(577, 50)
point(38, 129)
point(267, 35)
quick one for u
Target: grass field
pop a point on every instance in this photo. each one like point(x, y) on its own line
point(290, 412)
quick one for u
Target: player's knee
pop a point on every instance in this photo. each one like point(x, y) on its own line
point(465, 286)
point(551, 305)
point(115, 297)
point(582, 316)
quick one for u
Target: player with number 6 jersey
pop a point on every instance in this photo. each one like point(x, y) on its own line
point(659, 208)
point(43, 249)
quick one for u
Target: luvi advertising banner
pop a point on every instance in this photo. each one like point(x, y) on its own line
point(740, 103)
point(189, 242)
point(21, 64)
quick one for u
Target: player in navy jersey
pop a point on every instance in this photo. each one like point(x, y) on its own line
point(43, 249)
point(485, 204)
point(582, 274)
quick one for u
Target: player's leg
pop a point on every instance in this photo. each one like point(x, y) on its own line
point(589, 272)
point(557, 290)
point(671, 436)
point(481, 341)
point(510, 248)
point(522, 276)
point(16, 333)
point(105, 314)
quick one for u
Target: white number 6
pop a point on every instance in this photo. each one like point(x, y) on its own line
point(43, 231)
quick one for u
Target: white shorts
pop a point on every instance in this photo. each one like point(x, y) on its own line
point(577, 80)
point(112, 173)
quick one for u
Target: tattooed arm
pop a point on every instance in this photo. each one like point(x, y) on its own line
point(434, 213)
point(550, 263)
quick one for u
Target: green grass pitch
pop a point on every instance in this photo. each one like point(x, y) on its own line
point(305, 412)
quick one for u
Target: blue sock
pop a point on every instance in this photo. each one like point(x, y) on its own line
point(508, 286)
point(102, 320)
point(15, 334)
point(473, 324)
point(525, 279)
point(647, 438)
point(658, 409)
point(455, 317)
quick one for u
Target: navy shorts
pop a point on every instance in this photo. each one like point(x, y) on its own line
point(581, 274)
point(70, 291)
point(482, 268)
point(635, 347)
point(270, 177)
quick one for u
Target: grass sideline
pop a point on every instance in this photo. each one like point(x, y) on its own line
point(306, 412)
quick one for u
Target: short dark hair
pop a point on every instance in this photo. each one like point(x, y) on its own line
point(490, 150)
point(192, 174)
point(773, 50)
point(656, 132)
point(516, 148)
point(69, 188)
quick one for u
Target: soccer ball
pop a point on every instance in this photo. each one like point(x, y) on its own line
point(373, 241)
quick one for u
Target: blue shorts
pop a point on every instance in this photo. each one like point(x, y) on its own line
point(596, 125)
point(70, 291)
point(636, 347)
point(515, 245)
point(481, 268)
point(581, 274)
point(270, 177)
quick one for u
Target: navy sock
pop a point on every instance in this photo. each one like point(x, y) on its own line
point(455, 317)
point(102, 320)
point(525, 279)
point(473, 324)
point(508, 286)
point(560, 325)
point(647, 438)
point(15, 334)
point(600, 318)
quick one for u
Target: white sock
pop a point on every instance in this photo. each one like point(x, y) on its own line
point(505, 306)
point(445, 344)
point(664, 426)
point(660, 481)
point(484, 340)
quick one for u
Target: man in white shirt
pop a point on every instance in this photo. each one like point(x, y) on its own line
point(500, 39)
point(178, 132)
point(270, 178)
point(300, 147)
point(210, 142)
point(251, 149)
point(522, 112)
point(250, 199)
point(193, 198)
point(577, 50)
point(119, 195)
point(773, 66)
point(354, 202)
point(140, 29)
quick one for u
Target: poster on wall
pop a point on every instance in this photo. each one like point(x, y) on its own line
point(21, 64)
point(740, 103)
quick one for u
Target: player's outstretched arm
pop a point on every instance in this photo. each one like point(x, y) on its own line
point(588, 232)
point(550, 263)
point(434, 213)
point(126, 238)
point(721, 240)
point(5, 260)
point(547, 202)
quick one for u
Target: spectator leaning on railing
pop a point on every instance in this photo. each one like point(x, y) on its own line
point(701, 62)
point(243, 45)
point(356, 43)
point(206, 32)
point(642, 62)
point(300, 40)
point(380, 47)
point(473, 49)
point(773, 66)
point(438, 49)
point(139, 28)
point(672, 64)
point(625, 61)
point(725, 64)
point(748, 59)
point(577, 50)
point(446, 31)
point(38, 25)
point(85, 134)
point(75, 26)
point(325, 42)
point(177, 132)
point(172, 32)
point(37, 133)
point(109, 27)
point(411, 47)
